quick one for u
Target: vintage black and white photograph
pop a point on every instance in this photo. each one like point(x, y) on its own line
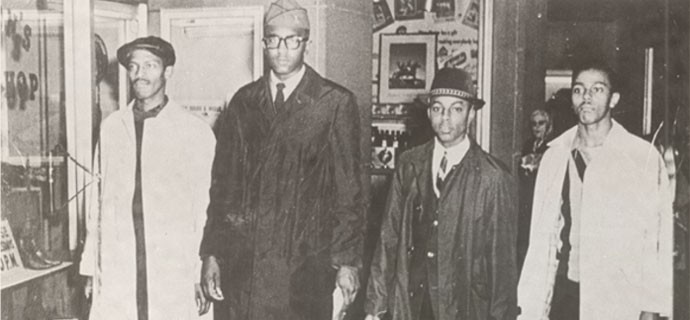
point(344, 160)
point(407, 66)
point(409, 9)
point(471, 16)
point(382, 14)
point(443, 9)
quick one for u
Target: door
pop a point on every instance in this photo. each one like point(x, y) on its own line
point(228, 39)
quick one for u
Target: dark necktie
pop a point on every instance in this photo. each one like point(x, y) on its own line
point(280, 99)
point(441, 173)
point(579, 163)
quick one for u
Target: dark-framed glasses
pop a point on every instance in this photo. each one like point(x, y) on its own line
point(291, 42)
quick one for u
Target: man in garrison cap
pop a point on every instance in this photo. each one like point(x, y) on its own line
point(448, 236)
point(286, 219)
point(146, 216)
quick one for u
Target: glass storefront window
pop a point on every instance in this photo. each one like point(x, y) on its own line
point(33, 137)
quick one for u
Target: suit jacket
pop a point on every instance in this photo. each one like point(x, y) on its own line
point(476, 240)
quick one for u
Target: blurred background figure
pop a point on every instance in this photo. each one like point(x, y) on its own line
point(541, 126)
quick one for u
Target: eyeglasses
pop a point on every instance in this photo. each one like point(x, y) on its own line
point(291, 42)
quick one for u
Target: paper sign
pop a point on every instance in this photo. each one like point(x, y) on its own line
point(10, 259)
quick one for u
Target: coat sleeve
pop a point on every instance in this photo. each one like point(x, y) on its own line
point(344, 141)
point(383, 265)
point(200, 182)
point(501, 251)
point(657, 274)
point(219, 236)
point(89, 257)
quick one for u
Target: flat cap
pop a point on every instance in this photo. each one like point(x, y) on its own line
point(286, 13)
point(161, 48)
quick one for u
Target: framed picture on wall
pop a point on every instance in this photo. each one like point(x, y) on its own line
point(409, 9)
point(407, 66)
point(382, 14)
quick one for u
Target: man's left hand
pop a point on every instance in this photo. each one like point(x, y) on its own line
point(348, 282)
point(201, 302)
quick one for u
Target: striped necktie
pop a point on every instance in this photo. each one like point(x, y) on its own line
point(441, 173)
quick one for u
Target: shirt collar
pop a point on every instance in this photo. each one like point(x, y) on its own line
point(141, 114)
point(453, 154)
point(290, 83)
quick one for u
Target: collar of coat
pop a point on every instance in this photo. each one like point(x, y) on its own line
point(617, 137)
point(170, 109)
point(421, 161)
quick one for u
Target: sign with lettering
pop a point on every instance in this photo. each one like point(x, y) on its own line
point(10, 259)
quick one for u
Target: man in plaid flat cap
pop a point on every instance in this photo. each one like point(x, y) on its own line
point(286, 219)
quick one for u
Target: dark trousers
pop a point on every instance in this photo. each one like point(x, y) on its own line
point(565, 304)
point(427, 311)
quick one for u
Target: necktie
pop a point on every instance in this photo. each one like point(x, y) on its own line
point(441, 173)
point(579, 163)
point(280, 99)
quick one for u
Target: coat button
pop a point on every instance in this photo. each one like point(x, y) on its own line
point(435, 223)
point(430, 254)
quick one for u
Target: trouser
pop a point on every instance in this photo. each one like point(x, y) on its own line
point(565, 304)
point(426, 312)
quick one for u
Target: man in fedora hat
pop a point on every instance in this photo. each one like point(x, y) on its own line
point(147, 216)
point(285, 223)
point(448, 236)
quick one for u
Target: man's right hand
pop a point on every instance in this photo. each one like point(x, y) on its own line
point(210, 278)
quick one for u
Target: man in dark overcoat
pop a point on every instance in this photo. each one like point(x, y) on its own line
point(448, 236)
point(285, 222)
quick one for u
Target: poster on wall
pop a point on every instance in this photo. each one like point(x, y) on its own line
point(207, 110)
point(382, 14)
point(458, 52)
point(409, 9)
point(444, 10)
point(471, 16)
point(10, 260)
point(407, 66)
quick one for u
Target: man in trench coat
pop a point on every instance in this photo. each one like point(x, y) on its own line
point(447, 248)
point(285, 222)
point(146, 217)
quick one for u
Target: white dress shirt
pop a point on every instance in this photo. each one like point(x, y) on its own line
point(453, 154)
point(290, 83)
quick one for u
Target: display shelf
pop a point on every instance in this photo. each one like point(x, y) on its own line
point(18, 277)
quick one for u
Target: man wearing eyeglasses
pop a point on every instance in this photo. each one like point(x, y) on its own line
point(447, 243)
point(285, 222)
